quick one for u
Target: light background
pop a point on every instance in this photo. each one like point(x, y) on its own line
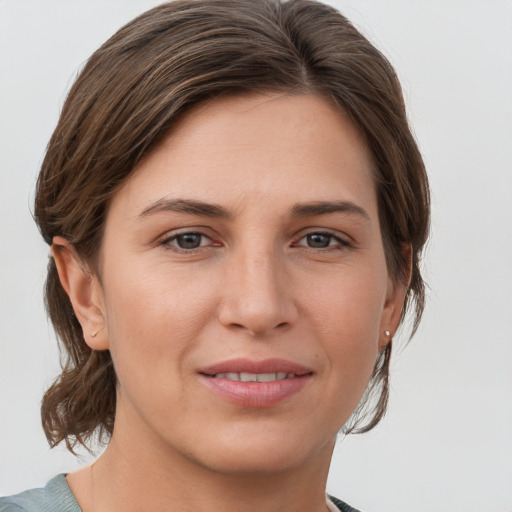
point(446, 443)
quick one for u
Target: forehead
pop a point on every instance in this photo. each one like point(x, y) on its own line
point(265, 148)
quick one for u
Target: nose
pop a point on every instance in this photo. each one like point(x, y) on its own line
point(257, 295)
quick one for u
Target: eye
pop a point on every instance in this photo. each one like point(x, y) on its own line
point(319, 240)
point(187, 241)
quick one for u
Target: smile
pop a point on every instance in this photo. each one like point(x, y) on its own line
point(259, 384)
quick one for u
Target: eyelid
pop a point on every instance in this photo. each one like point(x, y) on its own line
point(184, 230)
point(343, 239)
point(171, 235)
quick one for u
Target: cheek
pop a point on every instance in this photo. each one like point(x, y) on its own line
point(350, 306)
point(153, 319)
point(346, 317)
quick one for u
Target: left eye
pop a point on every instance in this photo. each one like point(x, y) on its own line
point(188, 241)
point(320, 241)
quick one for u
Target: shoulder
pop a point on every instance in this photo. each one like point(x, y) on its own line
point(56, 496)
point(341, 505)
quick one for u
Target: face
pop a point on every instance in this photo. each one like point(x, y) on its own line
point(243, 287)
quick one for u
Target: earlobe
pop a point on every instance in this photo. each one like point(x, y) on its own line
point(84, 291)
point(397, 292)
point(385, 338)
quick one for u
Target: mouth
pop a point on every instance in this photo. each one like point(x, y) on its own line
point(250, 383)
point(240, 369)
point(254, 377)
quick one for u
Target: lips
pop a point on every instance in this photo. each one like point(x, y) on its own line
point(250, 366)
point(249, 383)
point(255, 377)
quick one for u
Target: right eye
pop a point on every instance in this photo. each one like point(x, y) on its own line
point(319, 240)
point(187, 241)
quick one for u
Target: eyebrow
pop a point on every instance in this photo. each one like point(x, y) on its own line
point(201, 208)
point(187, 206)
point(325, 207)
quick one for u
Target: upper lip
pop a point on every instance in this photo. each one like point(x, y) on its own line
point(250, 366)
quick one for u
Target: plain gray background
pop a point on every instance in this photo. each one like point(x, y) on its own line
point(446, 443)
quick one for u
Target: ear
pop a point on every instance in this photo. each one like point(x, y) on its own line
point(84, 291)
point(395, 297)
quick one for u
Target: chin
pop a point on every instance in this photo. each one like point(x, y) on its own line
point(246, 463)
point(261, 453)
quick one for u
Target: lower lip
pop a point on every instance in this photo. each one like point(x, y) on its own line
point(255, 394)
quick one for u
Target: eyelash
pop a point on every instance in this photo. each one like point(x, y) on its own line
point(168, 242)
point(341, 243)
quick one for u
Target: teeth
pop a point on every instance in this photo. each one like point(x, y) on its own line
point(248, 377)
point(255, 377)
point(266, 377)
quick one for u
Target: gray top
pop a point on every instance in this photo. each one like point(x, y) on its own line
point(57, 497)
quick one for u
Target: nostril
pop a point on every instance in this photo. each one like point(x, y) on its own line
point(258, 331)
point(257, 315)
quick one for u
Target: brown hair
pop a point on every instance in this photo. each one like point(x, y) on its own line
point(154, 70)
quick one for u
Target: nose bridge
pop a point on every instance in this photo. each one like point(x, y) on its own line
point(256, 296)
point(261, 275)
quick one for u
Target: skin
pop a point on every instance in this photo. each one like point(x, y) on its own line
point(260, 284)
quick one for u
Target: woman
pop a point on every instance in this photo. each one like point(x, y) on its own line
point(236, 210)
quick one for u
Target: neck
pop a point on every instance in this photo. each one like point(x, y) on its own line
point(131, 484)
point(140, 471)
point(130, 481)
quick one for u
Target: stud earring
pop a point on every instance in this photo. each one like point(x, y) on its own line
point(93, 334)
point(387, 333)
